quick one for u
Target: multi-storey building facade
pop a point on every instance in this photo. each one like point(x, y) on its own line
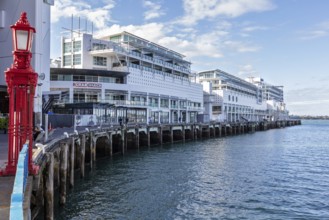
point(235, 99)
point(276, 107)
point(148, 82)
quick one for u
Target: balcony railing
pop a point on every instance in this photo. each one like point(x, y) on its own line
point(153, 104)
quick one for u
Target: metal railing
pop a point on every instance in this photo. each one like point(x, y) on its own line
point(22, 172)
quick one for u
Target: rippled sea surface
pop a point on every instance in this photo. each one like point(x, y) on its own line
point(276, 174)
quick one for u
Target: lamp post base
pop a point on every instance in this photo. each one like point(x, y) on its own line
point(8, 170)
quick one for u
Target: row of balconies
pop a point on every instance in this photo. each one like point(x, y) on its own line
point(151, 59)
point(124, 68)
point(128, 103)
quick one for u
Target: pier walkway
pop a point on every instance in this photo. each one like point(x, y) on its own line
point(6, 182)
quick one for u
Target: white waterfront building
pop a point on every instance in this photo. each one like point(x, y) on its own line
point(143, 81)
point(232, 99)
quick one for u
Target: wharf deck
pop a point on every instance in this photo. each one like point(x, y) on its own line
point(6, 182)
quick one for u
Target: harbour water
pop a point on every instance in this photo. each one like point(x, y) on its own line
point(275, 174)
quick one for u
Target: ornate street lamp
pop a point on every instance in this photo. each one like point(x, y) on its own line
point(21, 83)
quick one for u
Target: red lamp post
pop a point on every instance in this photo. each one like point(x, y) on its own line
point(21, 81)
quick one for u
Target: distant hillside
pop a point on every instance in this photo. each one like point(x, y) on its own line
point(323, 117)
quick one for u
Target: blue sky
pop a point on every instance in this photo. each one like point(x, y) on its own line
point(286, 42)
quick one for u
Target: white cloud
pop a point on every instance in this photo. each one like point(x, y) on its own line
point(190, 45)
point(247, 70)
point(151, 31)
point(154, 10)
point(241, 47)
point(188, 40)
point(196, 10)
point(320, 30)
point(100, 16)
point(253, 28)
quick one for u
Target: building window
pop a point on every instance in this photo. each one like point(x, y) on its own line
point(217, 109)
point(106, 79)
point(92, 78)
point(229, 97)
point(67, 47)
point(79, 78)
point(77, 46)
point(98, 46)
point(99, 61)
point(236, 99)
point(67, 60)
point(60, 77)
point(76, 59)
point(115, 38)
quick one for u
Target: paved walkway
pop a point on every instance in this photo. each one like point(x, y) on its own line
point(7, 182)
point(3, 148)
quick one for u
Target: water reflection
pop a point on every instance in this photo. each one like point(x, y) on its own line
point(277, 174)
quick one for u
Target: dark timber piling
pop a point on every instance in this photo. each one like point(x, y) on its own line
point(82, 156)
point(72, 160)
point(137, 138)
point(49, 187)
point(63, 173)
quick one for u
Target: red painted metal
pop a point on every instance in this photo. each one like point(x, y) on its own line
point(21, 83)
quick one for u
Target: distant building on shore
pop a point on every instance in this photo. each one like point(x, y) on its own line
point(140, 81)
point(232, 99)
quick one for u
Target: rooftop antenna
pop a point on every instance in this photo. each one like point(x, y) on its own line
point(92, 28)
point(79, 27)
point(86, 28)
point(72, 26)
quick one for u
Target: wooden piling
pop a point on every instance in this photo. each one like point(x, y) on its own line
point(63, 173)
point(49, 188)
point(122, 141)
point(183, 133)
point(82, 154)
point(160, 135)
point(108, 147)
point(125, 139)
point(91, 151)
point(72, 162)
point(171, 135)
point(137, 138)
point(148, 136)
point(94, 139)
point(111, 144)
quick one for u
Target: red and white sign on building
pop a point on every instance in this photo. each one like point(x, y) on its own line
point(87, 85)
